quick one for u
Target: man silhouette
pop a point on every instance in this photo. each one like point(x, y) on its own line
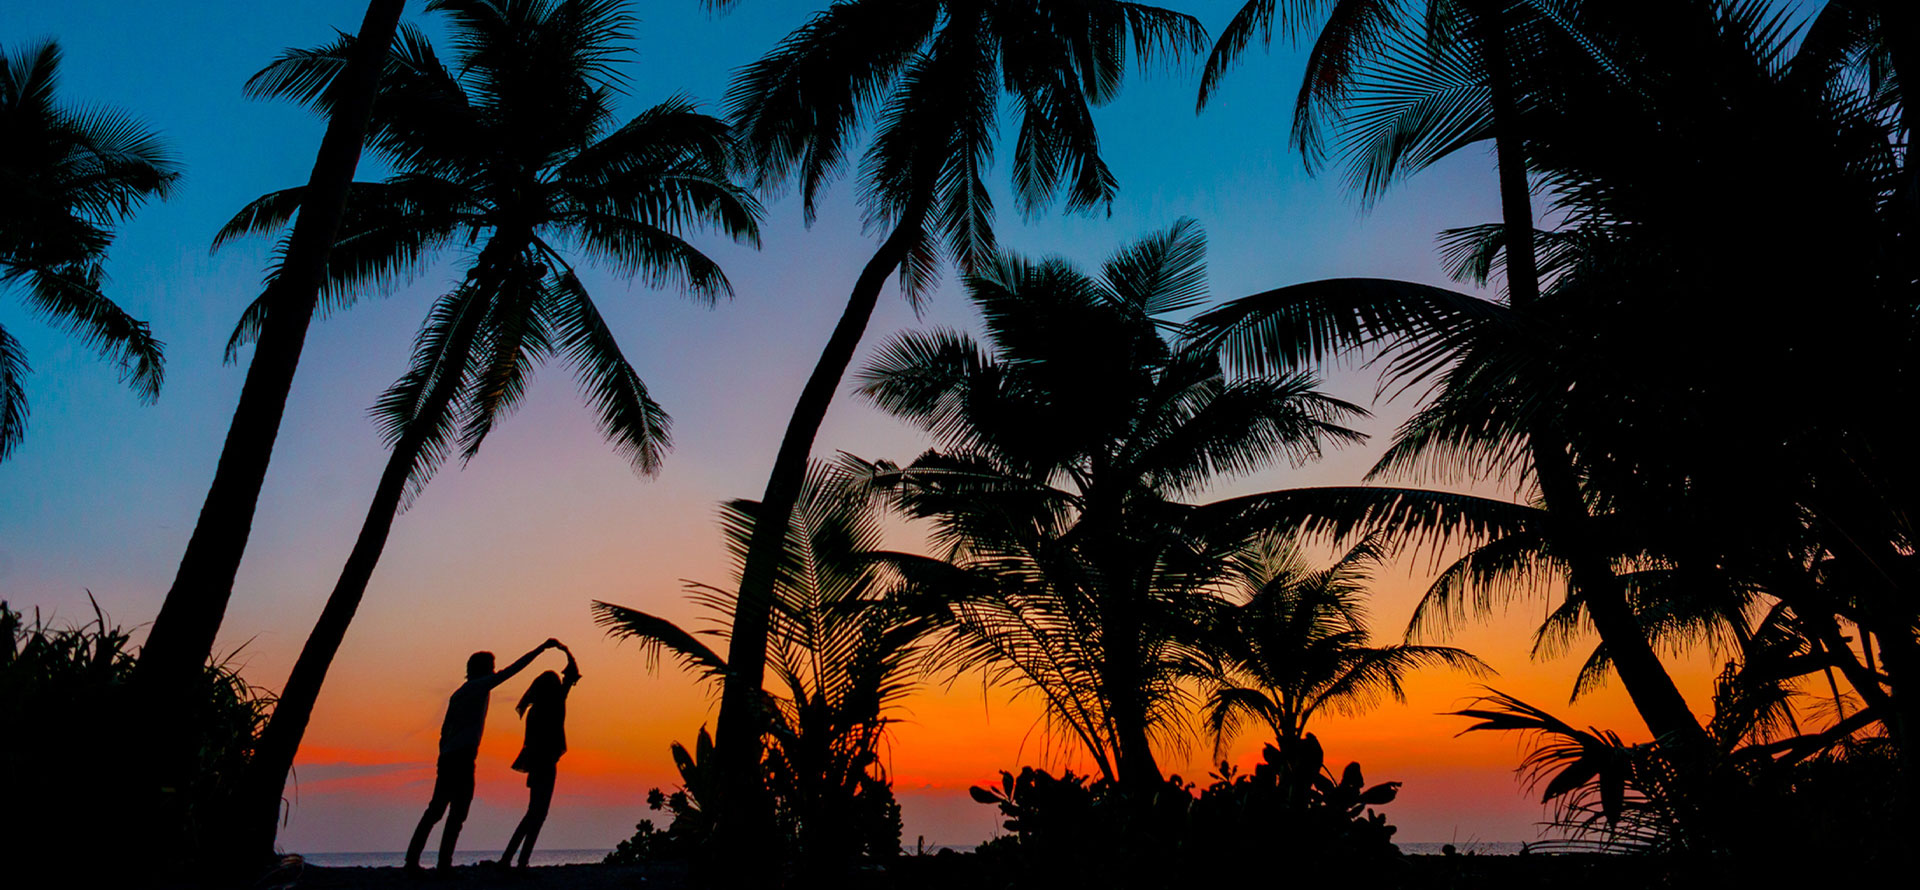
point(459, 746)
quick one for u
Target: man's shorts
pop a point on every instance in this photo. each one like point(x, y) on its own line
point(453, 779)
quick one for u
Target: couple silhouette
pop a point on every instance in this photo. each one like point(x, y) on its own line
point(543, 707)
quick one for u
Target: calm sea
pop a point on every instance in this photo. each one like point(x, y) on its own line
point(464, 857)
point(1477, 848)
point(586, 857)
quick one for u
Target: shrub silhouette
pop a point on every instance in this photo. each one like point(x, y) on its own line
point(1290, 807)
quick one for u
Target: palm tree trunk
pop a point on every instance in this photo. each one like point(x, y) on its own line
point(182, 635)
point(737, 750)
point(257, 809)
point(1126, 696)
point(1132, 749)
point(1133, 754)
point(1653, 692)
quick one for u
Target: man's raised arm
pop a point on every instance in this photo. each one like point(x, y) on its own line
point(520, 664)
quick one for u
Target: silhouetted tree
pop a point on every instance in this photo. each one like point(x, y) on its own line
point(182, 635)
point(512, 148)
point(68, 176)
point(1663, 244)
point(1296, 643)
point(1407, 84)
point(1068, 565)
point(843, 654)
point(930, 76)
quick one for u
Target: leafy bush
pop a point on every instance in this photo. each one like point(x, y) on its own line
point(690, 826)
point(1290, 806)
point(64, 702)
point(828, 820)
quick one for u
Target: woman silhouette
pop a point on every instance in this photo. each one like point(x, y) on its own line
point(544, 707)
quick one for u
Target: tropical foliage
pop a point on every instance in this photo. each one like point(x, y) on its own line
point(68, 176)
point(842, 655)
point(1675, 421)
point(64, 694)
point(1295, 644)
point(1067, 565)
point(1290, 808)
point(1696, 537)
point(928, 78)
point(510, 149)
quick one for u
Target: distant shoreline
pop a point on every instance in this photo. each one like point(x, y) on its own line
point(590, 856)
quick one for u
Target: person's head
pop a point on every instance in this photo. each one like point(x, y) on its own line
point(543, 690)
point(479, 664)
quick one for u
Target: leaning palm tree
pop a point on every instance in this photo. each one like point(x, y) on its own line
point(1069, 566)
point(843, 653)
point(182, 635)
point(929, 75)
point(1396, 87)
point(1295, 644)
point(69, 175)
point(513, 148)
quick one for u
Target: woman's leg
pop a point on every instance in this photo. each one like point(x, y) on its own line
point(520, 830)
point(539, 799)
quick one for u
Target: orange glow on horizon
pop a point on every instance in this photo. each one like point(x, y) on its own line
point(949, 737)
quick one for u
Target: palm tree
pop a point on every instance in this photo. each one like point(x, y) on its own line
point(929, 75)
point(1765, 735)
point(1812, 508)
point(1295, 644)
point(842, 652)
point(69, 175)
point(1069, 567)
point(1880, 36)
point(182, 634)
point(512, 148)
point(1409, 85)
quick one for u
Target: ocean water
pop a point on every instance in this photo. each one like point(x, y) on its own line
point(587, 857)
point(1463, 848)
point(464, 857)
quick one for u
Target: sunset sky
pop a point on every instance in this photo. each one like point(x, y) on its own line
point(510, 549)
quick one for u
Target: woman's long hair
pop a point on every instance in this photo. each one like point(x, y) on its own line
point(542, 691)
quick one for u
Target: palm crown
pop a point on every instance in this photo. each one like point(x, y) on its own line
point(514, 149)
point(1067, 567)
point(1294, 642)
point(929, 76)
point(67, 177)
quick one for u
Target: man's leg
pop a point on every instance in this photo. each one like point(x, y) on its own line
point(459, 799)
point(435, 808)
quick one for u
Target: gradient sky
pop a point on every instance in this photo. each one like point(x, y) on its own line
point(509, 550)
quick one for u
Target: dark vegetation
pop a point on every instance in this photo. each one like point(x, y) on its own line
point(64, 696)
point(1691, 377)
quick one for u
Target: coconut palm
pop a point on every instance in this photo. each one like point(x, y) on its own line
point(1069, 566)
point(929, 77)
point(842, 653)
point(1877, 38)
point(182, 635)
point(1812, 508)
point(69, 175)
point(512, 148)
point(1403, 86)
point(1295, 644)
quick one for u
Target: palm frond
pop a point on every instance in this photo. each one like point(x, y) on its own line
point(629, 417)
point(659, 636)
point(13, 392)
